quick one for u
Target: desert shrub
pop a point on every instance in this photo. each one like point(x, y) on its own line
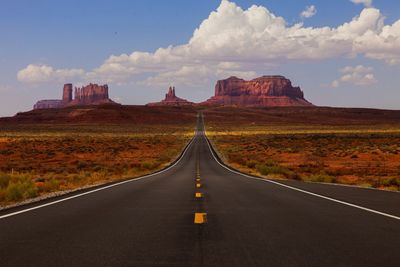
point(20, 187)
point(251, 164)
point(81, 165)
point(4, 180)
point(150, 165)
point(322, 178)
point(237, 158)
point(395, 181)
point(277, 170)
point(155, 140)
point(6, 152)
point(320, 153)
point(97, 168)
point(50, 154)
point(50, 185)
point(387, 182)
point(271, 162)
point(134, 165)
point(2, 194)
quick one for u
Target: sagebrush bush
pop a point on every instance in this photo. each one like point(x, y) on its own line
point(20, 190)
point(15, 187)
point(322, 178)
point(387, 182)
point(150, 165)
point(51, 185)
point(4, 180)
point(277, 170)
point(251, 164)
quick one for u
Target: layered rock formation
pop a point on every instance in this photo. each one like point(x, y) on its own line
point(91, 94)
point(262, 91)
point(43, 104)
point(67, 93)
point(171, 100)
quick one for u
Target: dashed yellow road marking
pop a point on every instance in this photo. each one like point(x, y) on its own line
point(198, 180)
point(200, 218)
point(198, 185)
point(199, 195)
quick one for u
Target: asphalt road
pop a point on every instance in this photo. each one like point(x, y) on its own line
point(248, 222)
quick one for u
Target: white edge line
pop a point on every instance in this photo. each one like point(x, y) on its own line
point(105, 187)
point(300, 190)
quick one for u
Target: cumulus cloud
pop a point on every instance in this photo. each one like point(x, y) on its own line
point(43, 73)
point(309, 12)
point(358, 75)
point(198, 75)
point(366, 3)
point(246, 42)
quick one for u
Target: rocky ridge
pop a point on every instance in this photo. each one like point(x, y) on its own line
point(92, 94)
point(171, 99)
point(262, 91)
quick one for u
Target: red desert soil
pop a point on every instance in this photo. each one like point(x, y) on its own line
point(43, 151)
point(350, 146)
point(105, 114)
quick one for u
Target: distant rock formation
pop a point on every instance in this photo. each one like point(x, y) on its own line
point(67, 93)
point(91, 94)
point(171, 100)
point(43, 104)
point(262, 91)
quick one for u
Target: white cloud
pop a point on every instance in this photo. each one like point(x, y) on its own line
point(43, 73)
point(245, 41)
point(367, 3)
point(358, 75)
point(185, 76)
point(198, 75)
point(335, 83)
point(309, 12)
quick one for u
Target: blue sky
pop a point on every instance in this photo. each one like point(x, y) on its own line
point(72, 41)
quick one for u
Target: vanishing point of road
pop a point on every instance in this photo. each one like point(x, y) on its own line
point(199, 213)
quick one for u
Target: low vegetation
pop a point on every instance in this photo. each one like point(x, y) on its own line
point(356, 154)
point(36, 160)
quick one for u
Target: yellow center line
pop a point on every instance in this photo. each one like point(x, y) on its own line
point(198, 185)
point(199, 195)
point(198, 180)
point(200, 218)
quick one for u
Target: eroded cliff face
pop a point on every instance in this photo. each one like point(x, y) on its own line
point(171, 100)
point(92, 94)
point(262, 91)
point(45, 104)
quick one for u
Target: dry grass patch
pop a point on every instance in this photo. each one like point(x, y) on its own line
point(40, 159)
point(356, 155)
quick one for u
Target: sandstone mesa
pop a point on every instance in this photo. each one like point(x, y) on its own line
point(265, 91)
point(171, 99)
point(92, 94)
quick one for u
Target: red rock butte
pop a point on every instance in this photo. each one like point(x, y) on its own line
point(91, 94)
point(265, 91)
point(171, 100)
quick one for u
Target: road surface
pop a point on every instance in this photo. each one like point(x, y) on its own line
point(233, 221)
